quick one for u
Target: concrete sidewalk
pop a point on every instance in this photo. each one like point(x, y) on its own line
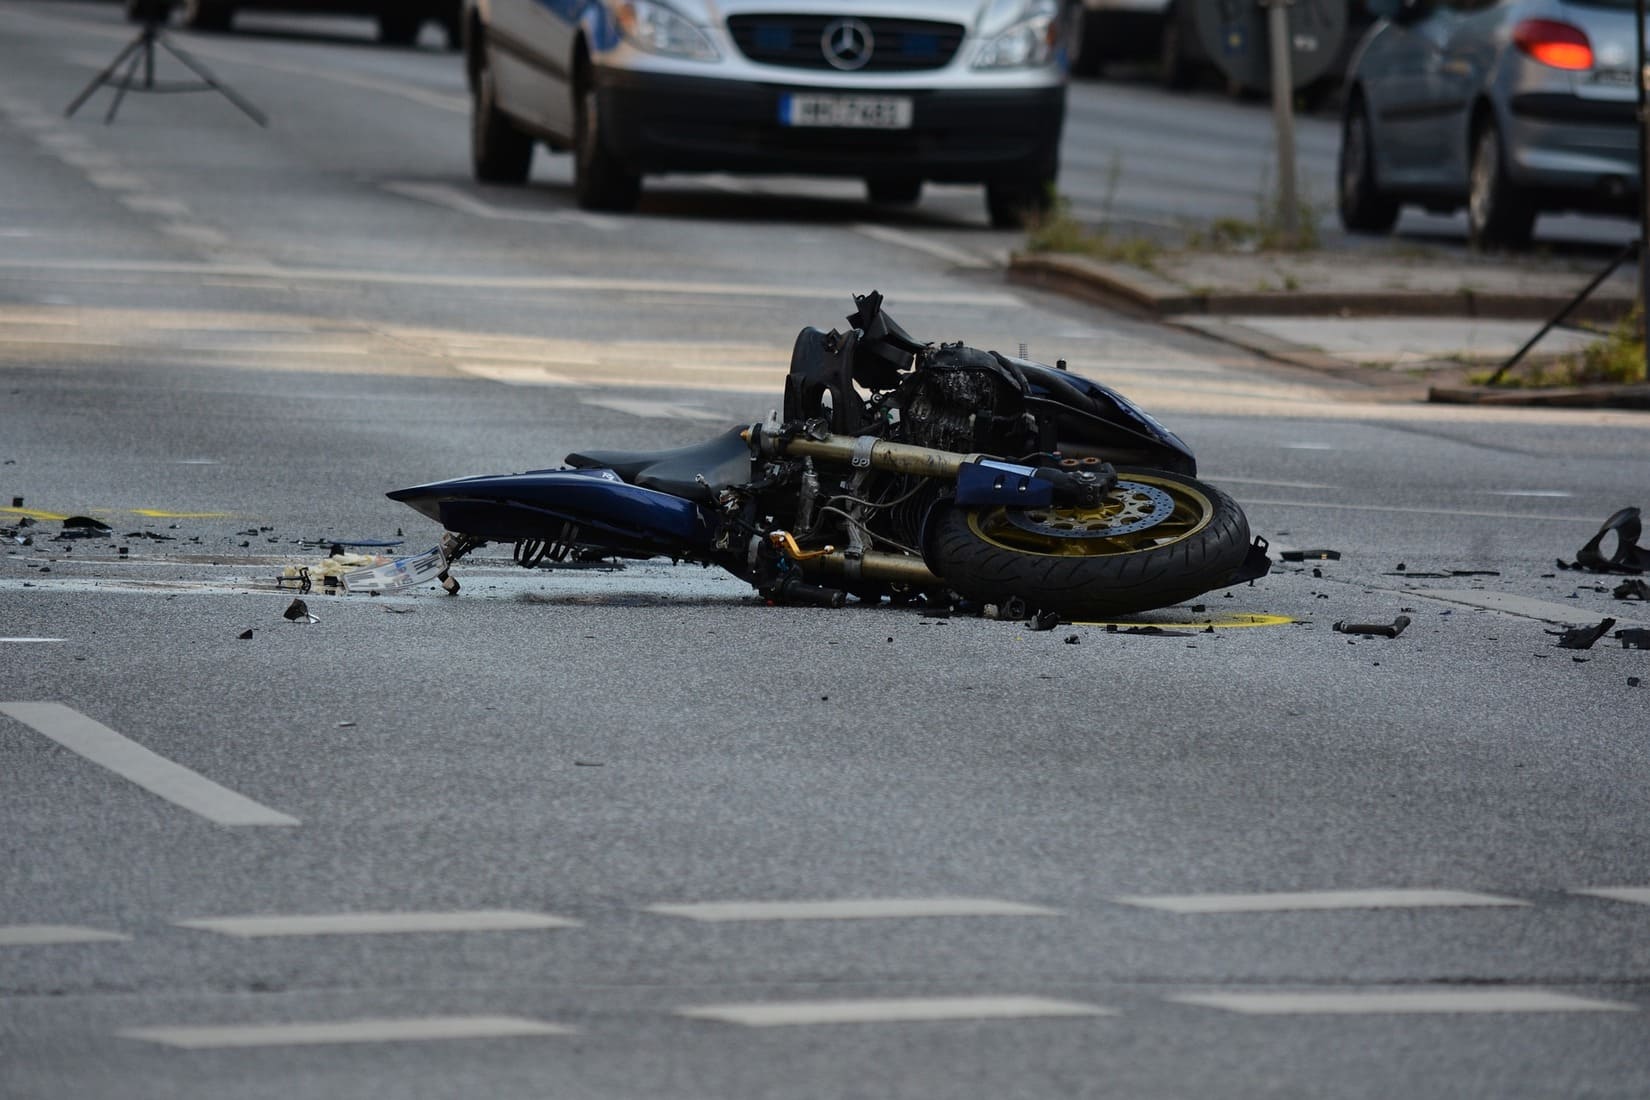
point(1357, 312)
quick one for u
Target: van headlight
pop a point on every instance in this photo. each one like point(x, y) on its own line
point(1029, 42)
point(656, 28)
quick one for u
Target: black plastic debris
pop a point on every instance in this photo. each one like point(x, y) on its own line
point(1148, 631)
point(1633, 681)
point(1043, 620)
point(1073, 639)
point(83, 527)
point(1626, 557)
point(245, 635)
point(1637, 638)
point(1311, 555)
point(298, 612)
point(1375, 630)
point(1633, 590)
point(1582, 637)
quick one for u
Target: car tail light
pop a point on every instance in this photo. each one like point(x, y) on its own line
point(1553, 43)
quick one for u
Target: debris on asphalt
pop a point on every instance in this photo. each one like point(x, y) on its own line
point(1633, 681)
point(1582, 637)
point(245, 635)
point(1043, 620)
point(1150, 631)
point(1633, 590)
point(1637, 638)
point(83, 527)
point(298, 612)
point(1627, 556)
point(1311, 555)
point(1073, 639)
point(1376, 630)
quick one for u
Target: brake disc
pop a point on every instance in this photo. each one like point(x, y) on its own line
point(1129, 508)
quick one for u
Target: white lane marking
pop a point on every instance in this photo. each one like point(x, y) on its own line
point(515, 376)
point(26, 641)
point(451, 198)
point(1638, 895)
point(568, 283)
point(155, 204)
point(35, 935)
point(1394, 509)
point(910, 241)
point(655, 410)
point(1309, 446)
point(890, 1010)
point(361, 924)
point(1407, 1002)
point(1544, 493)
point(1218, 478)
point(1315, 899)
point(1524, 606)
point(413, 1029)
point(154, 773)
point(850, 909)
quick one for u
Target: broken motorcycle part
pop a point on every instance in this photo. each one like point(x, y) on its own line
point(1626, 556)
point(298, 612)
point(1310, 555)
point(1635, 638)
point(1582, 637)
point(1375, 630)
point(1632, 590)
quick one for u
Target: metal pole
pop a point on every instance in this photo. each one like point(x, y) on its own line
point(1644, 195)
point(1283, 111)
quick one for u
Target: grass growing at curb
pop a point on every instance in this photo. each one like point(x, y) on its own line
point(1056, 230)
point(1617, 358)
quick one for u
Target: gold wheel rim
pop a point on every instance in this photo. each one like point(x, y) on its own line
point(1192, 512)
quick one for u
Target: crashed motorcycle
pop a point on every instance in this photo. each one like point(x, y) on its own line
point(899, 470)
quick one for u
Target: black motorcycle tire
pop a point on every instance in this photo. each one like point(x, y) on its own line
point(1203, 546)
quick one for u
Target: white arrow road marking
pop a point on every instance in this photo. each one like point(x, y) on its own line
point(850, 909)
point(1407, 1002)
point(417, 1029)
point(890, 1010)
point(358, 924)
point(154, 773)
point(35, 935)
point(1317, 900)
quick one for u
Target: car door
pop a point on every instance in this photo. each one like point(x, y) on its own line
point(1465, 60)
point(1401, 75)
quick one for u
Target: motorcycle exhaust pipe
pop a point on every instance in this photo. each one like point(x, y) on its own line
point(873, 565)
point(867, 451)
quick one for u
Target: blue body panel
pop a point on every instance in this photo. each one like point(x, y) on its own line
point(540, 503)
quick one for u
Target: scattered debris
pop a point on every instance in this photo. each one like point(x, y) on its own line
point(1152, 631)
point(1377, 630)
point(1043, 620)
point(345, 725)
point(245, 635)
point(1582, 637)
point(1633, 590)
point(587, 764)
point(1073, 639)
point(298, 612)
point(1627, 557)
point(1633, 681)
point(1311, 555)
point(1475, 572)
point(1637, 638)
point(83, 527)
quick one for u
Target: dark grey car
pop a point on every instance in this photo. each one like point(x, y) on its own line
point(1507, 107)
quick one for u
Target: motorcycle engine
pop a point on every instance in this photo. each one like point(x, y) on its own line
point(966, 400)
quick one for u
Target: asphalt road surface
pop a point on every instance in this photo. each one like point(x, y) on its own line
point(622, 834)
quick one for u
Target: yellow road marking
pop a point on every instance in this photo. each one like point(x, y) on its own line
point(45, 517)
point(1228, 623)
point(155, 513)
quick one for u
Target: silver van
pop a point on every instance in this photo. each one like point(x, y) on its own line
point(896, 92)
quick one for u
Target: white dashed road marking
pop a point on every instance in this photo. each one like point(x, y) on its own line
point(850, 909)
point(154, 773)
point(36, 935)
point(360, 924)
point(892, 1010)
point(1316, 899)
point(1637, 895)
point(1446, 1001)
point(653, 410)
point(30, 641)
point(416, 1029)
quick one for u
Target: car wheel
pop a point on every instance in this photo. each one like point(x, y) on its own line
point(1176, 70)
point(1011, 205)
point(898, 191)
point(600, 180)
point(1363, 206)
point(1499, 213)
point(499, 152)
point(399, 28)
point(207, 15)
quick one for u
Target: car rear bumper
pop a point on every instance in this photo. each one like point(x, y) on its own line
point(667, 123)
point(1579, 154)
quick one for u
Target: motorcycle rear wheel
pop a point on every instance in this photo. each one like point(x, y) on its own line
point(1157, 540)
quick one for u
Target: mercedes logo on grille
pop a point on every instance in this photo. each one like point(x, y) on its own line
point(847, 43)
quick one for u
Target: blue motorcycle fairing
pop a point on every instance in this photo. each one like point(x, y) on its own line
point(1090, 415)
point(540, 503)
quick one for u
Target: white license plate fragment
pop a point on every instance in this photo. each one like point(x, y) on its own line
point(400, 573)
point(859, 112)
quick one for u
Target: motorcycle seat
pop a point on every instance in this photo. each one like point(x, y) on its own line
point(697, 472)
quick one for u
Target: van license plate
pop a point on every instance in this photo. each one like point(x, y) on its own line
point(861, 112)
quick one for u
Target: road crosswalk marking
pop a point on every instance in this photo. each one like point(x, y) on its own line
point(360, 924)
point(850, 909)
point(36, 935)
point(1637, 895)
point(1405, 1002)
point(410, 1029)
point(1317, 900)
point(154, 773)
point(889, 1010)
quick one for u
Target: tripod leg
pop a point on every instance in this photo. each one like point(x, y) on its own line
point(125, 84)
point(102, 78)
point(214, 83)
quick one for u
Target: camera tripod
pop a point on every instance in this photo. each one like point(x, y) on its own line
point(138, 60)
